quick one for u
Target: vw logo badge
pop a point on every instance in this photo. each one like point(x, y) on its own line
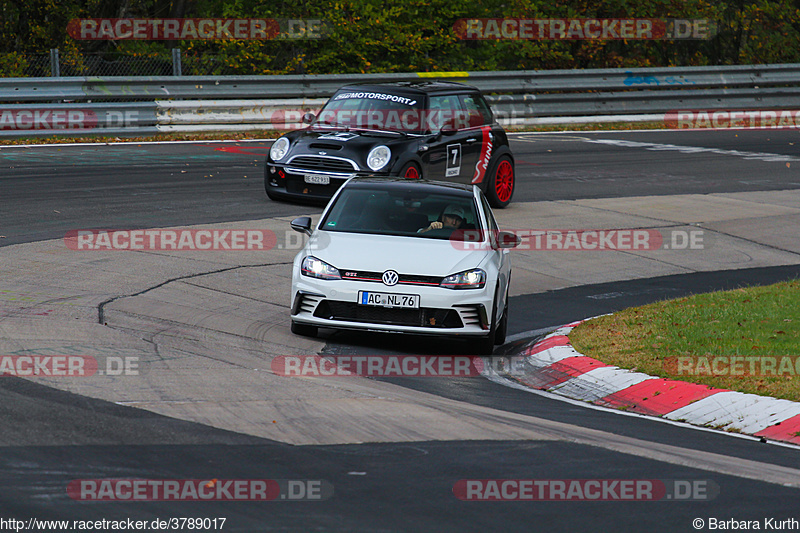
point(390, 278)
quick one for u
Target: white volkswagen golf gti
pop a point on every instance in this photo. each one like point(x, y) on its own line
point(409, 256)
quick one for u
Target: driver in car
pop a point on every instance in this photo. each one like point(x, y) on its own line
point(452, 218)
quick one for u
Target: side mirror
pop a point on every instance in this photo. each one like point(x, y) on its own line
point(506, 239)
point(449, 128)
point(308, 118)
point(302, 225)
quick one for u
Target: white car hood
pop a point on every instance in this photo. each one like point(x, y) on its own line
point(406, 255)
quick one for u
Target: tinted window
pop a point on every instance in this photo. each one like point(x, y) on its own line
point(401, 213)
point(375, 110)
point(478, 112)
point(446, 111)
point(489, 215)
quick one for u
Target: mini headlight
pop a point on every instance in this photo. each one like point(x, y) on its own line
point(470, 279)
point(316, 268)
point(279, 149)
point(378, 157)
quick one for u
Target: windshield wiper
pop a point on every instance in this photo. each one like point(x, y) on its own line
point(372, 130)
point(333, 124)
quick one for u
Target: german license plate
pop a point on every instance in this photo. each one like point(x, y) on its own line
point(317, 179)
point(410, 301)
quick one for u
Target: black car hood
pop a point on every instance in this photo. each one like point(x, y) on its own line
point(352, 144)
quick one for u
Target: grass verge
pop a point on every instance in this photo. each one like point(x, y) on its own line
point(746, 339)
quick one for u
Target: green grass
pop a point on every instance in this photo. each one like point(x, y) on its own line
point(750, 322)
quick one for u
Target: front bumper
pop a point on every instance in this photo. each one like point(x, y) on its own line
point(289, 182)
point(334, 304)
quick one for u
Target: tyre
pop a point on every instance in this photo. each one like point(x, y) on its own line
point(411, 171)
point(500, 187)
point(502, 326)
point(304, 329)
point(485, 345)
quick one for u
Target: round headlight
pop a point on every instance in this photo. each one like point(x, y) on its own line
point(378, 157)
point(279, 149)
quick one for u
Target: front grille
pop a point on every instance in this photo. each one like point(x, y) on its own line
point(422, 317)
point(405, 279)
point(318, 163)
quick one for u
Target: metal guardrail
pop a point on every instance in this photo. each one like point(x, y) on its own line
point(207, 103)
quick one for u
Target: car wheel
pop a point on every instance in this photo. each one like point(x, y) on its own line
point(486, 344)
point(304, 329)
point(411, 171)
point(500, 188)
point(502, 327)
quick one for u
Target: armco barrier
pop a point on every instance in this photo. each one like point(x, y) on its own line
point(518, 98)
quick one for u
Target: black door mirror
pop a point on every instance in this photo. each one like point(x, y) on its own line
point(302, 224)
point(506, 239)
point(308, 118)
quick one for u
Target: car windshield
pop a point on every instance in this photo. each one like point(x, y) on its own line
point(373, 110)
point(402, 212)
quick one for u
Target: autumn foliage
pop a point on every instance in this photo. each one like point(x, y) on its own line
point(414, 35)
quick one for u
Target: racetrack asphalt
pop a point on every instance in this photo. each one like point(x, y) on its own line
point(53, 436)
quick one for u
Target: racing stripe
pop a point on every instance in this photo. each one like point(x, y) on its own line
point(486, 155)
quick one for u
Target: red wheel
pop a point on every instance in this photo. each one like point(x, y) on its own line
point(500, 188)
point(411, 171)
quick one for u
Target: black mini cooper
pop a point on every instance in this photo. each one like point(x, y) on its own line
point(430, 129)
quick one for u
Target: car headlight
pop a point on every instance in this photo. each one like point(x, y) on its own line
point(378, 157)
point(316, 268)
point(469, 279)
point(279, 149)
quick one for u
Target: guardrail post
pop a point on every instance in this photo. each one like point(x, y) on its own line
point(176, 61)
point(55, 67)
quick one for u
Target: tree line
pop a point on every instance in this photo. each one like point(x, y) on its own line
point(363, 36)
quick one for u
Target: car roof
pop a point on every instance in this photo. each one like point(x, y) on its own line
point(413, 87)
point(410, 185)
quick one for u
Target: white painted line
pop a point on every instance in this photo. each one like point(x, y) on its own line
point(552, 355)
point(745, 412)
point(761, 156)
point(565, 330)
point(599, 383)
point(509, 122)
point(59, 145)
point(766, 412)
point(490, 374)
